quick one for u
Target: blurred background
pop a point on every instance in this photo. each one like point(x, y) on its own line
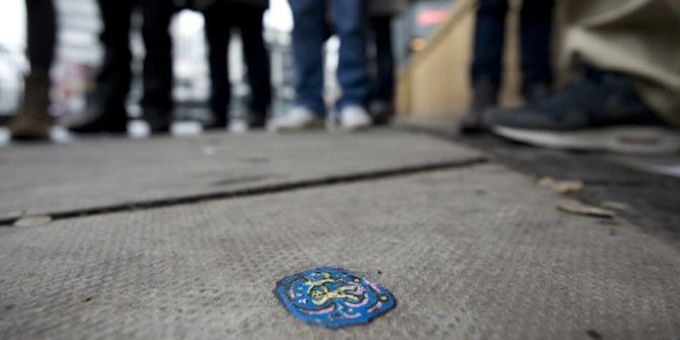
point(79, 54)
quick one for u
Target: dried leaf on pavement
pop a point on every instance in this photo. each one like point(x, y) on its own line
point(561, 186)
point(579, 208)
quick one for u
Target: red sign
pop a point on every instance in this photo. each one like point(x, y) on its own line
point(432, 17)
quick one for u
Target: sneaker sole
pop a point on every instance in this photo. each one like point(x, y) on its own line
point(644, 140)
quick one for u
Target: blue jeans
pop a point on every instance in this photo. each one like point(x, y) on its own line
point(350, 25)
point(535, 33)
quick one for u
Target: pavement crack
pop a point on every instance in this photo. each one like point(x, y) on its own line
point(367, 176)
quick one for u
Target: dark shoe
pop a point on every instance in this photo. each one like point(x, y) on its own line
point(33, 122)
point(382, 112)
point(535, 92)
point(98, 120)
point(485, 96)
point(217, 124)
point(257, 121)
point(601, 111)
point(159, 122)
point(219, 121)
point(100, 124)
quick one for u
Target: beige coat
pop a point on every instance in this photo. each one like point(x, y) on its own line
point(639, 38)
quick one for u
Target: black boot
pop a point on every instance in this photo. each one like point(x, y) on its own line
point(382, 112)
point(219, 121)
point(99, 120)
point(485, 96)
point(257, 121)
point(159, 121)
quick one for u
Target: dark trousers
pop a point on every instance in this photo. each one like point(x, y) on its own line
point(41, 34)
point(308, 38)
point(220, 19)
point(382, 87)
point(535, 35)
point(113, 80)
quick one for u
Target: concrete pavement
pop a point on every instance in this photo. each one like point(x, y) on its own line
point(102, 173)
point(469, 247)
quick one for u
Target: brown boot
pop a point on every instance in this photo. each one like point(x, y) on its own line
point(32, 121)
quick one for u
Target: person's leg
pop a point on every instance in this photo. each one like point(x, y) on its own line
point(308, 39)
point(32, 120)
point(351, 26)
point(536, 33)
point(489, 41)
point(487, 61)
point(158, 73)
point(350, 20)
point(113, 81)
point(257, 59)
point(217, 33)
point(382, 30)
point(41, 34)
point(106, 106)
point(382, 94)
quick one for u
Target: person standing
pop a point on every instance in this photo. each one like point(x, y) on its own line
point(33, 121)
point(536, 20)
point(381, 15)
point(350, 23)
point(107, 106)
point(221, 17)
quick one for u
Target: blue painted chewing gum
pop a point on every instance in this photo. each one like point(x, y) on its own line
point(333, 298)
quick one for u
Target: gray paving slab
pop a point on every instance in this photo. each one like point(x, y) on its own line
point(93, 173)
point(648, 186)
point(480, 252)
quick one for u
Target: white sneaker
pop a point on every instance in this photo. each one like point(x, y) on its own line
point(296, 119)
point(354, 118)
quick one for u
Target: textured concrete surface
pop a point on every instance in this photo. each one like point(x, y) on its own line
point(645, 185)
point(94, 173)
point(478, 252)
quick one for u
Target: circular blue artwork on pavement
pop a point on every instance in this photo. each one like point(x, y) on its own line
point(333, 297)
